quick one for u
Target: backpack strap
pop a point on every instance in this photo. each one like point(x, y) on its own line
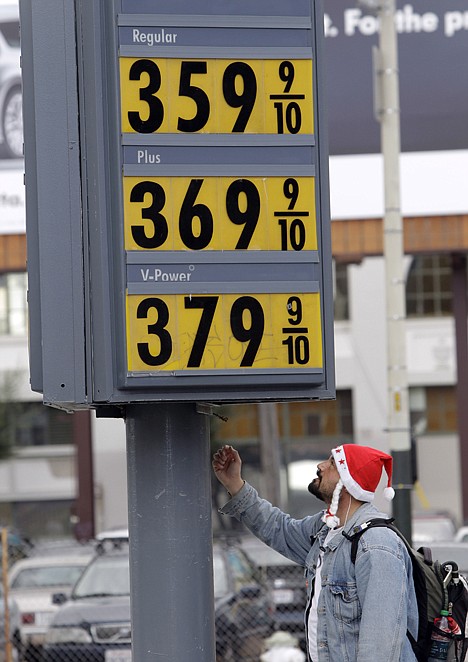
point(313, 538)
point(357, 531)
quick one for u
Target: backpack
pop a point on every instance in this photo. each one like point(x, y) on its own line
point(437, 586)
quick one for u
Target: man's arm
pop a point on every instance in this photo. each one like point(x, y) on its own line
point(288, 536)
point(227, 466)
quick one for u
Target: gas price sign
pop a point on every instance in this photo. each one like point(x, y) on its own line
point(220, 213)
point(225, 227)
point(224, 331)
point(217, 96)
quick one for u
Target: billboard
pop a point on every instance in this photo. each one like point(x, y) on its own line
point(12, 219)
point(433, 52)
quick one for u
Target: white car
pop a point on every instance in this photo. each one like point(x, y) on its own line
point(456, 552)
point(462, 534)
point(432, 527)
point(33, 581)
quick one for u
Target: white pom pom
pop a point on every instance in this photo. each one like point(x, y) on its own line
point(332, 521)
point(389, 493)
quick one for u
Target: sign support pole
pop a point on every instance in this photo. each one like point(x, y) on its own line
point(171, 557)
point(398, 402)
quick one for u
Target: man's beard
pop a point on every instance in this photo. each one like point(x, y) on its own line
point(314, 489)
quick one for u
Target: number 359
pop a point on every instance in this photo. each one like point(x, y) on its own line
point(216, 96)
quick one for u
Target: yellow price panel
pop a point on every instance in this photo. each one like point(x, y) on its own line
point(220, 213)
point(223, 332)
point(216, 96)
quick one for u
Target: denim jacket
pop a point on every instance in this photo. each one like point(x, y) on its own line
point(364, 609)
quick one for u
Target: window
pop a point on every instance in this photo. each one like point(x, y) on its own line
point(340, 294)
point(441, 409)
point(433, 409)
point(32, 424)
point(48, 576)
point(429, 286)
point(328, 419)
point(39, 519)
point(13, 304)
point(241, 423)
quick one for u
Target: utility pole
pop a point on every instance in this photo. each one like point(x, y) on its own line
point(388, 114)
point(270, 450)
point(460, 310)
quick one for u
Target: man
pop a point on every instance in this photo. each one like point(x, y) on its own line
point(356, 612)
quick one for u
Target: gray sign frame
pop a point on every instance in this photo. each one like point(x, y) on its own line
point(101, 265)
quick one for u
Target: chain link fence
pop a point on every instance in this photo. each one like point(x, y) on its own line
point(70, 602)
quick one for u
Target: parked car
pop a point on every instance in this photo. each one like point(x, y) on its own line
point(33, 581)
point(451, 551)
point(432, 527)
point(94, 625)
point(14, 627)
point(286, 584)
point(462, 534)
point(11, 109)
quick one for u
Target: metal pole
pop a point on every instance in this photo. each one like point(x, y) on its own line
point(460, 311)
point(397, 380)
point(6, 604)
point(171, 556)
point(270, 451)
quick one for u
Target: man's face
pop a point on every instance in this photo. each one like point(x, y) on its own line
point(327, 477)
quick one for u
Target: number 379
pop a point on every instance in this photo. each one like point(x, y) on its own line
point(176, 332)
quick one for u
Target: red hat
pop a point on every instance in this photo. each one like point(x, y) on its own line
point(360, 469)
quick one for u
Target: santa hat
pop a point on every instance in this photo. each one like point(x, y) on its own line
point(360, 469)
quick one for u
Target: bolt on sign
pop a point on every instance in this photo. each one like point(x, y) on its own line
point(204, 165)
